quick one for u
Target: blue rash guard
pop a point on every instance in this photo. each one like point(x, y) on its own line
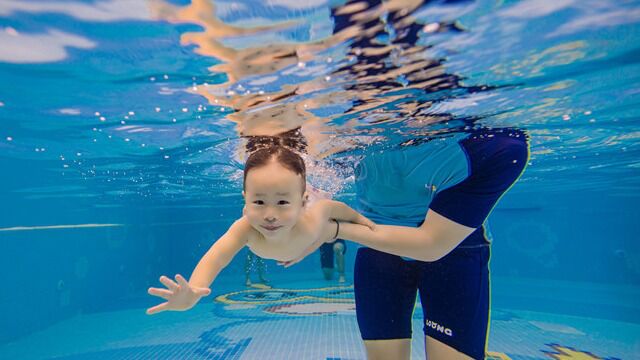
point(461, 177)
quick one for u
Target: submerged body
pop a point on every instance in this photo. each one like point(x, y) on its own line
point(277, 223)
point(431, 240)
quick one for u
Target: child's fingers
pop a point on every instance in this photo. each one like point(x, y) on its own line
point(182, 281)
point(158, 308)
point(163, 293)
point(168, 283)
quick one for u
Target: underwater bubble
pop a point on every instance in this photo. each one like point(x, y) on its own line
point(431, 28)
point(11, 31)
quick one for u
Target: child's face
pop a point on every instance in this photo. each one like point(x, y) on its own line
point(273, 199)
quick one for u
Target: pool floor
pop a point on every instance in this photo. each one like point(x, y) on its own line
point(304, 320)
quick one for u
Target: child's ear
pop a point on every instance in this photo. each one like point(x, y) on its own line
point(243, 195)
point(305, 198)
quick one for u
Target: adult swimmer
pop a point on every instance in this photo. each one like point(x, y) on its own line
point(430, 199)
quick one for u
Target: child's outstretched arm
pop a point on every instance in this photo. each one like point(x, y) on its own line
point(182, 295)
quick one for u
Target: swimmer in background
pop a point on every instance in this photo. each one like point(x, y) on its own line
point(252, 260)
point(276, 224)
point(327, 253)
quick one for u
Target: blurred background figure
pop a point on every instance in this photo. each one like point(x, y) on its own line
point(329, 252)
point(252, 262)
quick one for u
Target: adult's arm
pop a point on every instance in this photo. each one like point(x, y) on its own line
point(497, 160)
point(435, 238)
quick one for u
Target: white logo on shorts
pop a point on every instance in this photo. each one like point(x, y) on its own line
point(439, 328)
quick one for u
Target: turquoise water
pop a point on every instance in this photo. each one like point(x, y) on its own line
point(121, 129)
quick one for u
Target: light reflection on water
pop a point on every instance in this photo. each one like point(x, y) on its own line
point(156, 97)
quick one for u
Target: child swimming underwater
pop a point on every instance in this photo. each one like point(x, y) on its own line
point(276, 224)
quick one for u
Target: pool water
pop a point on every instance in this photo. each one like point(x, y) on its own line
point(122, 133)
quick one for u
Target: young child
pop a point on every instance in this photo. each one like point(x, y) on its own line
point(276, 224)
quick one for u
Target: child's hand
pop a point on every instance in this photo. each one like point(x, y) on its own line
point(180, 296)
point(313, 247)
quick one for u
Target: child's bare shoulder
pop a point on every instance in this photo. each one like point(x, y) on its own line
point(322, 205)
point(243, 229)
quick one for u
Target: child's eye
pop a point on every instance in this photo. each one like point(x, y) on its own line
point(259, 202)
point(283, 202)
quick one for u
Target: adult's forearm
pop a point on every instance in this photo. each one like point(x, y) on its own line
point(414, 243)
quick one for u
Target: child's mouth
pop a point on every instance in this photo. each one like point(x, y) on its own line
point(271, 227)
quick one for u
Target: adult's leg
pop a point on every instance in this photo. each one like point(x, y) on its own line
point(338, 251)
point(388, 349)
point(437, 350)
point(262, 269)
point(454, 292)
point(385, 293)
point(328, 273)
point(326, 260)
point(248, 263)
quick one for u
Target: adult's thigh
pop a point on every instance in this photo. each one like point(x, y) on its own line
point(385, 289)
point(437, 350)
point(455, 297)
point(398, 349)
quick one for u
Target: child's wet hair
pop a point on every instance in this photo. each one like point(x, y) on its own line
point(265, 148)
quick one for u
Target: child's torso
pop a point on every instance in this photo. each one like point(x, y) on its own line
point(302, 235)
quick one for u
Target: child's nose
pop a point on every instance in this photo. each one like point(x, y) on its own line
point(270, 218)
